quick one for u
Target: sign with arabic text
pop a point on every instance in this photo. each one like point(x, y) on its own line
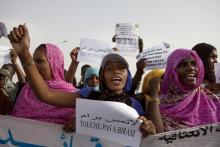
point(114, 121)
point(92, 50)
point(126, 35)
point(21, 132)
point(156, 56)
point(201, 136)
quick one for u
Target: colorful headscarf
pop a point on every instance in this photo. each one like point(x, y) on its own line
point(155, 73)
point(183, 106)
point(88, 74)
point(28, 106)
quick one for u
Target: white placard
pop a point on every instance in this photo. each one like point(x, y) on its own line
point(201, 136)
point(217, 72)
point(126, 29)
point(156, 56)
point(127, 38)
point(3, 30)
point(92, 50)
point(109, 120)
point(5, 56)
point(20, 132)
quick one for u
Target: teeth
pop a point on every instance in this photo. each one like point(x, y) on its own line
point(116, 79)
point(190, 75)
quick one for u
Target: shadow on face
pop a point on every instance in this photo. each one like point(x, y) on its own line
point(41, 61)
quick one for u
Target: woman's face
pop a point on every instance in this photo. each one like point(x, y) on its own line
point(209, 70)
point(115, 76)
point(187, 71)
point(43, 66)
point(93, 81)
point(2, 81)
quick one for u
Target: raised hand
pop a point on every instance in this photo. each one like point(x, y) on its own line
point(154, 85)
point(20, 40)
point(74, 54)
point(13, 56)
point(141, 64)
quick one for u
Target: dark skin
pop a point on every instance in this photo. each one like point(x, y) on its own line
point(20, 74)
point(187, 71)
point(154, 106)
point(141, 64)
point(70, 76)
point(210, 73)
point(20, 40)
point(209, 67)
point(5, 101)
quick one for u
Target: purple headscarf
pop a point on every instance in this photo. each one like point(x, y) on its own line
point(183, 106)
point(28, 106)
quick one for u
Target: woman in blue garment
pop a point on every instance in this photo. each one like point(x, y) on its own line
point(91, 78)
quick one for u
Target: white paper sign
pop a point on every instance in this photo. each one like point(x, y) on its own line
point(156, 56)
point(217, 72)
point(5, 56)
point(92, 50)
point(20, 132)
point(109, 120)
point(201, 136)
point(126, 29)
point(127, 38)
point(3, 30)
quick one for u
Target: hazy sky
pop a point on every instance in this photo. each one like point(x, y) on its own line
point(182, 23)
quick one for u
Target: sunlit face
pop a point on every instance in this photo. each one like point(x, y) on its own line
point(93, 81)
point(187, 71)
point(115, 76)
point(43, 66)
point(209, 70)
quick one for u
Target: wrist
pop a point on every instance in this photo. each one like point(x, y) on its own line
point(151, 99)
point(26, 59)
point(74, 62)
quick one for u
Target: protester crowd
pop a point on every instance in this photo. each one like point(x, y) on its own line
point(183, 95)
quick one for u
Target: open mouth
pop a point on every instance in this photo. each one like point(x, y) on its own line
point(191, 76)
point(116, 80)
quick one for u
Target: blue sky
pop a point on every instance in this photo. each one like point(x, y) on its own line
point(182, 23)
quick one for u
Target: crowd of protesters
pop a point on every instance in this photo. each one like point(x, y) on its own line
point(184, 94)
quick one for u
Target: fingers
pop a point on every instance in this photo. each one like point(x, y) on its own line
point(74, 52)
point(20, 29)
point(16, 34)
point(147, 127)
point(70, 126)
point(25, 30)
